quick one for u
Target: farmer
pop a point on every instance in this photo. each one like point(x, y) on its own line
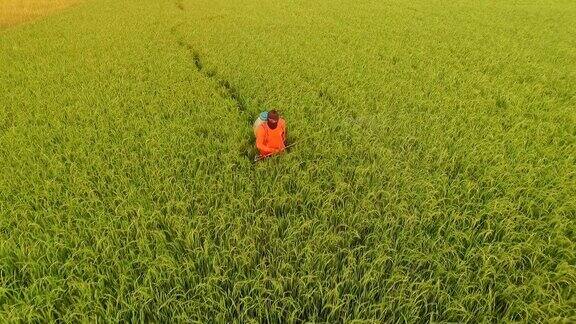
point(271, 135)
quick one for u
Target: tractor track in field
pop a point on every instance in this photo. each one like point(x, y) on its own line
point(227, 89)
point(180, 5)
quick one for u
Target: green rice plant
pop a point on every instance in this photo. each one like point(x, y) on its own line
point(432, 177)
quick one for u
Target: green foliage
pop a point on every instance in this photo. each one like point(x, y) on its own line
point(433, 177)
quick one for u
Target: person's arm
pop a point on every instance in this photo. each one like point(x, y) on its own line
point(256, 125)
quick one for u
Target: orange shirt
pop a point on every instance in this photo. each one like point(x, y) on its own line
point(269, 141)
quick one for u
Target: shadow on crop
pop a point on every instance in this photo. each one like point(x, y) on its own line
point(180, 4)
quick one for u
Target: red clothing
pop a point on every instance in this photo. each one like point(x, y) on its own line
point(270, 141)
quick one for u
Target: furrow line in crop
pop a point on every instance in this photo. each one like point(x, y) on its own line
point(179, 4)
point(230, 91)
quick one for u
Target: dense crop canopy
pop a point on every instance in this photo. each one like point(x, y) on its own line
point(433, 176)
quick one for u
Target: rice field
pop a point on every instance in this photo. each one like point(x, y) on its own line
point(432, 177)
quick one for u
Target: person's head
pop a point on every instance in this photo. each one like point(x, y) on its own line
point(273, 118)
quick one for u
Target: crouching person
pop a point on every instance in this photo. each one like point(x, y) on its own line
point(271, 135)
